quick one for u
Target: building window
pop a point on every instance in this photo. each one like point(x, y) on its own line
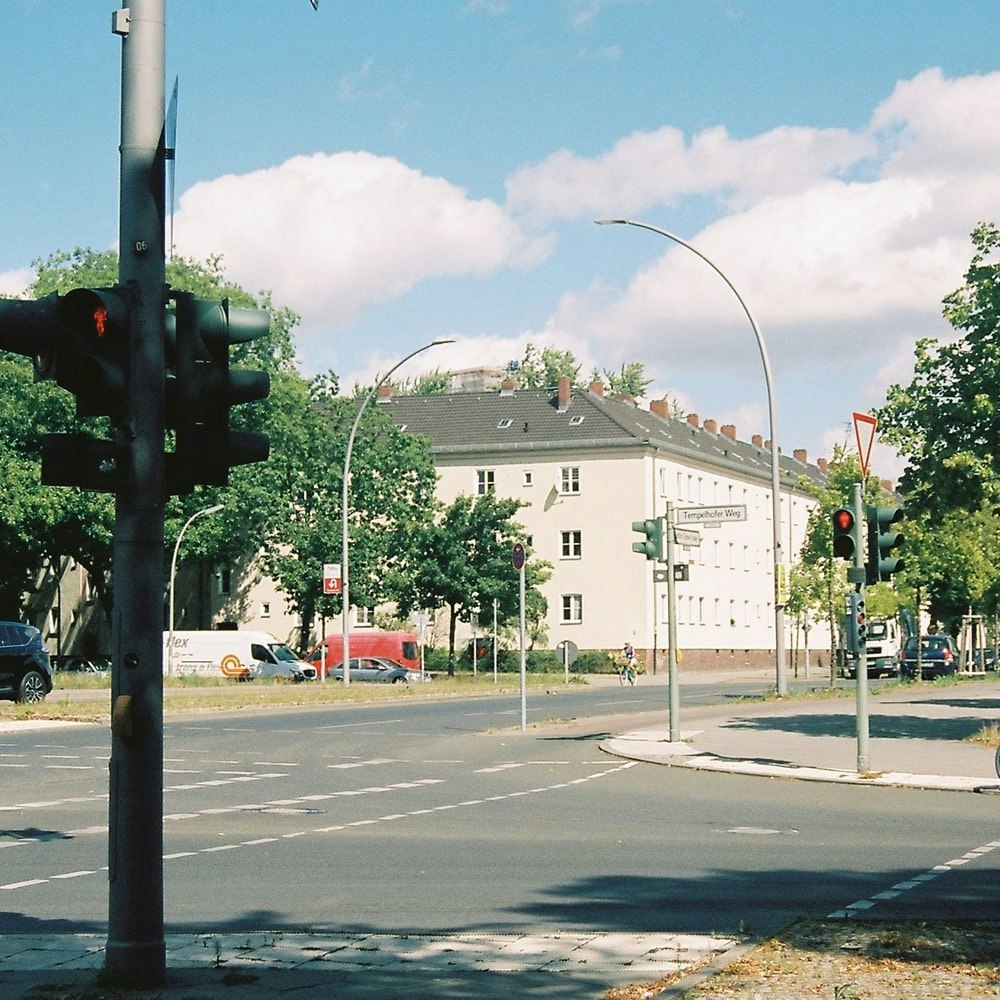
point(572, 609)
point(529, 478)
point(572, 544)
point(225, 580)
point(485, 481)
point(570, 479)
point(265, 609)
point(364, 617)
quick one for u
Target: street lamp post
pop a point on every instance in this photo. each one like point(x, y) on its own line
point(173, 572)
point(344, 570)
point(781, 679)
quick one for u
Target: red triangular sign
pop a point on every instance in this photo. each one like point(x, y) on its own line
point(864, 433)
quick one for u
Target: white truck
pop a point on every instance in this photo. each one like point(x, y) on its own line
point(236, 655)
point(881, 649)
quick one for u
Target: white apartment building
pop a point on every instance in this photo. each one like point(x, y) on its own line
point(587, 467)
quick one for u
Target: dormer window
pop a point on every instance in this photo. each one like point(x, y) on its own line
point(575, 421)
point(503, 423)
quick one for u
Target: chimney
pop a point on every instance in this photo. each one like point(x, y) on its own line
point(660, 407)
point(757, 441)
point(823, 465)
point(730, 431)
point(711, 426)
point(597, 387)
point(801, 455)
point(692, 419)
point(564, 390)
point(384, 392)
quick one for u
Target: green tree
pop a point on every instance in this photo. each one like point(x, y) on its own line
point(461, 560)
point(542, 369)
point(629, 380)
point(946, 424)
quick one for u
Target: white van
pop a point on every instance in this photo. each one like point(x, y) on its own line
point(237, 655)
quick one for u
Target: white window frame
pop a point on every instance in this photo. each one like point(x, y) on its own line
point(569, 480)
point(486, 481)
point(571, 544)
point(571, 609)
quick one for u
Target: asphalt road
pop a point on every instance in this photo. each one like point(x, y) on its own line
point(443, 816)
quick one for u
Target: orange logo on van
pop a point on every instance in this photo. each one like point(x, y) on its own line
point(231, 666)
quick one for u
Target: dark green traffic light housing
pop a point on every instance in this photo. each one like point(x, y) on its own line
point(653, 530)
point(882, 540)
point(203, 388)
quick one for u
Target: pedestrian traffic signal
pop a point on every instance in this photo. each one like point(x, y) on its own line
point(203, 388)
point(81, 340)
point(92, 350)
point(653, 529)
point(846, 537)
point(882, 539)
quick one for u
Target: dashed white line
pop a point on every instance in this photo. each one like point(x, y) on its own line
point(912, 883)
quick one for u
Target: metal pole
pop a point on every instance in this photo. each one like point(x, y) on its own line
point(136, 948)
point(672, 679)
point(781, 678)
point(173, 574)
point(344, 543)
point(524, 669)
point(861, 661)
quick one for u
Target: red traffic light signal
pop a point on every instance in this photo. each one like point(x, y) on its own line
point(846, 539)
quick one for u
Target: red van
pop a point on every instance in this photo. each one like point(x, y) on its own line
point(402, 647)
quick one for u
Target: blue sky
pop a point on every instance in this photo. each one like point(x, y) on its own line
point(397, 171)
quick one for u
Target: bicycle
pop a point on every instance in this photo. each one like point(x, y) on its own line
point(627, 673)
point(997, 762)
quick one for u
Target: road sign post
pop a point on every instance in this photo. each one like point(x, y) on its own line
point(517, 559)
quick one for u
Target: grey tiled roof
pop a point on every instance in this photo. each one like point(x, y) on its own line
point(527, 420)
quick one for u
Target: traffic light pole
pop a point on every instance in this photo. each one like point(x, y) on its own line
point(857, 577)
point(136, 947)
point(672, 678)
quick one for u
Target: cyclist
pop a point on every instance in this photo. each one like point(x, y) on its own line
point(628, 672)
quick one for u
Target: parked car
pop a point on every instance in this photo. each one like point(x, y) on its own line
point(293, 671)
point(25, 673)
point(85, 665)
point(377, 670)
point(938, 656)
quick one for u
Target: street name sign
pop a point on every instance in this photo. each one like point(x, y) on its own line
point(687, 537)
point(711, 515)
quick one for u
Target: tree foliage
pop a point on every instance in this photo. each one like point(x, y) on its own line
point(461, 560)
point(946, 424)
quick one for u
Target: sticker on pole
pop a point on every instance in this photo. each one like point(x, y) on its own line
point(864, 433)
point(331, 578)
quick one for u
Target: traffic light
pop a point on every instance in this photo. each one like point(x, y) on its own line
point(80, 340)
point(91, 356)
point(846, 536)
point(882, 539)
point(652, 547)
point(204, 388)
point(855, 623)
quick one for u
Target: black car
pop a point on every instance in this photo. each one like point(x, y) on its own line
point(938, 656)
point(25, 674)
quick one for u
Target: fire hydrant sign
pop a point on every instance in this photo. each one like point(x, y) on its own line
point(331, 578)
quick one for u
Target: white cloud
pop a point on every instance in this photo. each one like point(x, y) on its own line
point(660, 167)
point(15, 283)
point(332, 235)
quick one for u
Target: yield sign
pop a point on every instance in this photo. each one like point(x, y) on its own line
point(864, 433)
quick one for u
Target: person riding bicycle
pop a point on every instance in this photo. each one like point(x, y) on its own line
point(629, 667)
